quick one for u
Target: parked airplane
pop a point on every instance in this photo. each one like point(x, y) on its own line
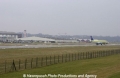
point(98, 41)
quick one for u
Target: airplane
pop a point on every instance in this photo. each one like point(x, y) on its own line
point(99, 41)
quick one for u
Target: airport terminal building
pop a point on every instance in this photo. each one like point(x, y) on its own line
point(9, 36)
point(12, 37)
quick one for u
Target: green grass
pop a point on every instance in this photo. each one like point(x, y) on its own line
point(22, 54)
point(116, 75)
point(16, 54)
point(103, 67)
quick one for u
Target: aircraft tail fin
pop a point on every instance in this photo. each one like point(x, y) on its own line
point(91, 38)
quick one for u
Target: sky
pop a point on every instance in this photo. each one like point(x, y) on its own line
point(61, 17)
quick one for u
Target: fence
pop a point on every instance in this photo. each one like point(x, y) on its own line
point(45, 61)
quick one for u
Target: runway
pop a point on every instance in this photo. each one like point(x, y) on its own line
point(39, 46)
point(49, 46)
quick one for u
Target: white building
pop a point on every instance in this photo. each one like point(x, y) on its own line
point(36, 39)
point(9, 36)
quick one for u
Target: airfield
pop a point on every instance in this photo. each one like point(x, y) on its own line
point(10, 45)
point(98, 66)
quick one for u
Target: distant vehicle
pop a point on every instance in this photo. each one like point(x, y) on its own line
point(101, 42)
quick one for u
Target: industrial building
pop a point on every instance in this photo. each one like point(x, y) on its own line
point(12, 37)
point(35, 39)
point(9, 36)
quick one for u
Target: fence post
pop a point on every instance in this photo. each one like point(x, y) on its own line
point(108, 52)
point(66, 58)
point(97, 53)
point(69, 57)
point(31, 62)
point(116, 51)
point(91, 55)
point(94, 54)
point(37, 62)
point(25, 63)
point(104, 53)
point(58, 58)
point(75, 56)
point(72, 57)
point(46, 60)
point(86, 55)
point(54, 59)
point(19, 64)
point(83, 55)
point(5, 66)
point(41, 61)
point(78, 56)
point(100, 53)
point(62, 58)
point(113, 52)
point(13, 64)
point(50, 60)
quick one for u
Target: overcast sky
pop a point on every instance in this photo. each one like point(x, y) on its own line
point(60, 17)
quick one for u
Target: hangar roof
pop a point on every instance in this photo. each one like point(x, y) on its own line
point(36, 39)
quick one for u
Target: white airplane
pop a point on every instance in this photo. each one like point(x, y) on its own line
point(99, 41)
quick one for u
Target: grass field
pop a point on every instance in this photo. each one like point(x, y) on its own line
point(16, 54)
point(116, 75)
point(104, 67)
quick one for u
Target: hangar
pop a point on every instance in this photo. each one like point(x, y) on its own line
point(36, 39)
